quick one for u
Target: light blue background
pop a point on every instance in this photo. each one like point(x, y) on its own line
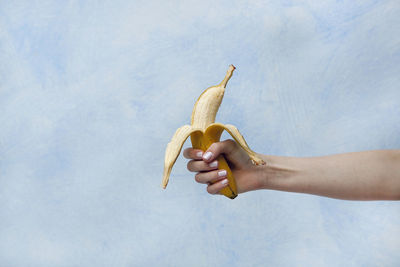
point(91, 92)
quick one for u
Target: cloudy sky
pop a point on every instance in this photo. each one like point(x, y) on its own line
point(92, 91)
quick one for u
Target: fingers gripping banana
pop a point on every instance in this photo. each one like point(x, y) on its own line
point(203, 131)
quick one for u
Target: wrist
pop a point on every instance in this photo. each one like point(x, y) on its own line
point(279, 173)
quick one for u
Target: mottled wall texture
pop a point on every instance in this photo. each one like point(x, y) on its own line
point(92, 91)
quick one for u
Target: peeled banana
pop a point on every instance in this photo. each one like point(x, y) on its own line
point(203, 131)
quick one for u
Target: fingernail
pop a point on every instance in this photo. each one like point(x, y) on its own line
point(199, 154)
point(225, 181)
point(222, 173)
point(207, 155)
point(213, 164)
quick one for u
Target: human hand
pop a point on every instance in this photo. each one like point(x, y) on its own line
point(246, 174)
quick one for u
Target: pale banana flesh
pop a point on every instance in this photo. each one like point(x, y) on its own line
point(203, 131)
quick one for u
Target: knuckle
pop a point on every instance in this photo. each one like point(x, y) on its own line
point(230, 145)
point(229, 142)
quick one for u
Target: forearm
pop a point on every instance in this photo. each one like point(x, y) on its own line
point(368, 175)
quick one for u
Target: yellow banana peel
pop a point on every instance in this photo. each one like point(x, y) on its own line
point(203, 131)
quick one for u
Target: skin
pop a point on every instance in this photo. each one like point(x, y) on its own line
point(366, 175)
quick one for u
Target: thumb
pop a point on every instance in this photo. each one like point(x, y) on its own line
point(225, 147)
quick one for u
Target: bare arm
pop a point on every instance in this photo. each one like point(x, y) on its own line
point(368, 175)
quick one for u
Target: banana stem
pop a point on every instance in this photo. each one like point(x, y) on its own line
point(228, 75)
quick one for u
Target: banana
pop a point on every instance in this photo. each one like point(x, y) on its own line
point(203, 131)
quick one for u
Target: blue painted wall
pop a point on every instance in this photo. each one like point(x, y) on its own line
point(92, 91)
